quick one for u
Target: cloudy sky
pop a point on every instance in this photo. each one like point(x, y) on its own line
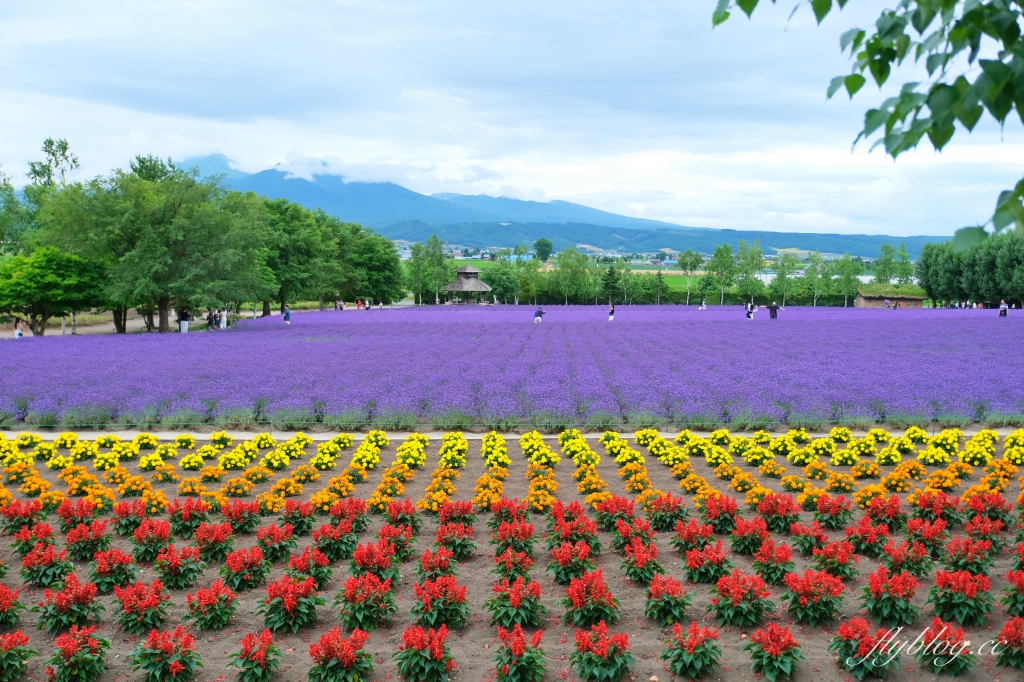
point(634, 107)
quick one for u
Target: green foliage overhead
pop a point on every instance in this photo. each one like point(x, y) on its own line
point(973, 54)
point(543, 248)
point(48, 283)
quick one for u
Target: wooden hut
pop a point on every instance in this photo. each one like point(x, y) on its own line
point(865, 300)
point(467, 282)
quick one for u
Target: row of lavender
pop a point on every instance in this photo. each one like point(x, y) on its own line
point(494, 367)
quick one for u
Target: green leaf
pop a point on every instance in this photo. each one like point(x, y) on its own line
point(935, 62)
point(854, 36)
point(748, 6)
point(967, 238)
point(821, 8)
point(721, 12)
point(833, 87)
point(853, 83)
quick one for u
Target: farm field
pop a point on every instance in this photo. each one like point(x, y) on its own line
point(478, 368)
point(979, 476)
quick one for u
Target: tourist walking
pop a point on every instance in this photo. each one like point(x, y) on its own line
point(538, 315)
point(773, 310)
point(287, 316)
point(611, 312)
point(210, 321)
point(17, 328)
point(751, 309)
point(1002, 308)
point(703, 304)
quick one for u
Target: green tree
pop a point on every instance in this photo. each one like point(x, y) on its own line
point(572, 278)
point(299, 249)
point(846, 282)
point(659, 286)
point(782, 284)
point(690, 262)
point(12, 216)
point(903, 269)
point(722, 268)
point(952, 39)
point(48, 283)
point(380, 268)
point(416, 271)
point(611, 284)
point(817, 277)
point(438, 270)
point(884, 266)
point(542, 247)
point(54, 169)
point(502, 279)
point(749, 261)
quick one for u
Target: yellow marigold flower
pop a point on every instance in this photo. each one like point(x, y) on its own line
point(287, 487)
point(165, 474)
point(51, 500)
point(237, 487)
point(865, 469)
point(185, 441)
point(102, 498)
point(258, 474)
point(211, 474)
point(155, 501)
point(270, 504)
point(30, 487)
point(191, 487)
point(865, 494)
point(323, 500)
point(192, 462)
point(793, 483)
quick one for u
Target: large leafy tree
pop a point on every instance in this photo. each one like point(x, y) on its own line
point(884, 266)
point(502, 279)
point(690, 262)
point(379, 268)
point(973, 54)
point(572, 278)
point(721, 268)
point(782, 285)
point(542, 247)
point(817, 277)
point(846, 282)
point(48, 283)
point(749, 261)
point(300, 249)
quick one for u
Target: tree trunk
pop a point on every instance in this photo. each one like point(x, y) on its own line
point(266, 309)
point(687, 294)
point(783, 300)
point(321, 302)
point(723, 297)
point(37, 325)
point(282, 305)
point(120, 319)
point(163, 303)
point(845, 299)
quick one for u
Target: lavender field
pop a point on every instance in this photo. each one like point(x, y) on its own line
point(494, 367)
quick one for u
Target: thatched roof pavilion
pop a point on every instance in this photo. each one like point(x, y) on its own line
point(467, 280)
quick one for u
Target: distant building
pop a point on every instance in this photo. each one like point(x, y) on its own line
point(467, 282)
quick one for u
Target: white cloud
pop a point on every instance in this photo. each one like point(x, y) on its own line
point(636, 108)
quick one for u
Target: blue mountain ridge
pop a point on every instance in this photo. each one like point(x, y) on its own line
point(479, 221)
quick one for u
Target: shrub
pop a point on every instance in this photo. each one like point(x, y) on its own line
point(838, 559)
point(964, 554)
point(694, 654)
point(511, 565)
point(213, 607)
point(516, 604)
point(720, 512)
point(889, 597)
point(441, 602)
point(984, 528)
point(866, 538)
point(14, 655)
point(311, 563)
point(75, 604)
point(423, 656)
point(772, 562)
point(580, 529)
point(1011, 644)
point(808, 538)
point(570, 561)
point(150, 538)
point(748, 536)
point(933, 505)
point(28, 537)
point(931, 534)
point(367, 602)
point(186, 517)
point(375, 558)
point(779, 512)
point(401, 537)
point(626, 532)
point(456, 537)
point(774, 652)
point(588, 601)
point(691, 535)
point(516, 660)
point(142, 606)
point(861, 653)
point(290, 604)
point(741, 599)
point(961, 596)
point(166, 656)
point(78, 656)
point(245, 569)
point(276, 542)
point(258, 658)
point(667, 600)
point(214, 541)
point(244, 517)
point(945, 650)
point(179, 570)
point(707, 565)
point(337, 659)
point(436, 564)
point(888, 511)
point(834, 513)
point(72, 514)
point(44, 566)
point(600, 658)
point(20, 514)
point(914, 559)
point(514, 535)
point(337, 543)
point(84, 540)
point(641, 562)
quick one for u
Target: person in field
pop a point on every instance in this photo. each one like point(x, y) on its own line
point(751, 309)
point(287, 316)
point(538, 315)
point(1003, 308)
point(773, 310)
point(611, 312)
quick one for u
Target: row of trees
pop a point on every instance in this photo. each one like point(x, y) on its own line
point(159, 237)
point(992, 270)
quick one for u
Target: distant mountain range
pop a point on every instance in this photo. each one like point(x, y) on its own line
point(480, 221)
